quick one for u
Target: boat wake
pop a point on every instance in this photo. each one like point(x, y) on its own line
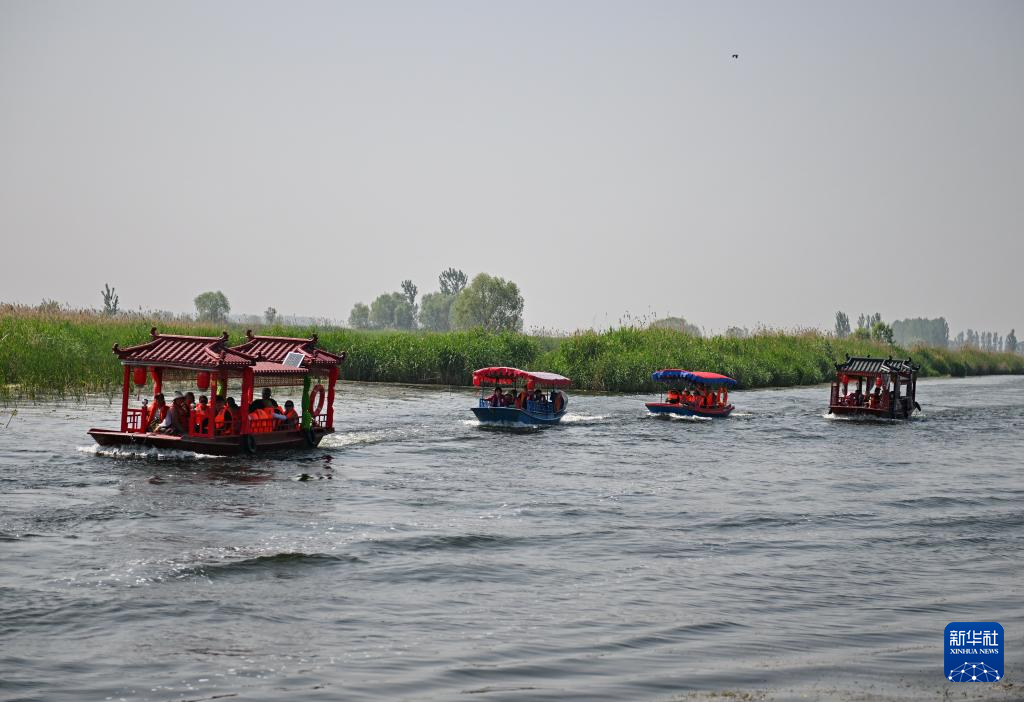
point(860, 419)
point(571, 418)
point(668, 417)
point(137, 452)
point(353, 438)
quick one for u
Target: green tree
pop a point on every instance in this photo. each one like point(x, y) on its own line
point(359, 317)
point(933, 332)
point(435, 311)
point(452, 281)
point(270, 315)
point(110, 300)
point(842, 325)
point(679, 324)
point(410, 290)
point(880, 331)
point(212, 306)
point(392, 311)
point(489, 302)
point(1011, 342)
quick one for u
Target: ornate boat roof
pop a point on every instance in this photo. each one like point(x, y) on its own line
point(274, 349)
point(866, 365)
point(186, 352)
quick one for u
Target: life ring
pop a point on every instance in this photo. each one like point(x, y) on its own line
point(249, 444)
point(318, 393)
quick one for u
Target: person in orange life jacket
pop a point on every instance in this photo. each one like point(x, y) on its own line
point(673, 397)
point(290, 418)
point(201, 420)
point(521, 399)
point(265, 401)
point(229, 419)
point(156, 413)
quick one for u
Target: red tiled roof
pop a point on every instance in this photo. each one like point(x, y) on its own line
point(275, 348)
point(270, 368)
point(174, 351)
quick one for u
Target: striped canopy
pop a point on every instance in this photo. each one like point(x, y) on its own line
point(703, 377)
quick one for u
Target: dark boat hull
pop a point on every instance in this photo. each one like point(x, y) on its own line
point(215, 446)
point(515, 416)
point(682, 410)
point(903, 412)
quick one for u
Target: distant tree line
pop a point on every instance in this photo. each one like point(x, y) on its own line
point(928, 332)
point(486, 302)
point(987, 341)
point(869, 326)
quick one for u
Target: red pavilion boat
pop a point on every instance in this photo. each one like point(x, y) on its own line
point(885, 388)
point(209, 365)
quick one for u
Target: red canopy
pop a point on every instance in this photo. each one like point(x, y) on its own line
point(503, 375)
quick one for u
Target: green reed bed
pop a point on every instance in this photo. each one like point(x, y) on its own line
point(68, 353)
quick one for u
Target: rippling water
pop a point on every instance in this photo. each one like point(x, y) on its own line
point(774, 555)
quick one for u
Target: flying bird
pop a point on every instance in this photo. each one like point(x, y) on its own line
point(736, 56)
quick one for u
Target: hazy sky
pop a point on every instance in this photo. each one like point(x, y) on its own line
point(607, 156)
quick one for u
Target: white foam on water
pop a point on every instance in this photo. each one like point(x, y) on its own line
point(571, 418)
point(150, 453)
point(679, 417)
point(352, 438)
point(863, 419)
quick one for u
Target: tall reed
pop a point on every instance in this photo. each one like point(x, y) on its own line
point(69, 353)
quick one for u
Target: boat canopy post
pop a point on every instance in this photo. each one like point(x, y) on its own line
point(247, 381)
point(307, 410)
point(158, 380)
point(332, 378)
point(124, 398)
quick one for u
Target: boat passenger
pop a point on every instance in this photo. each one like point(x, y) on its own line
point(556, 401)
point(290, 416)
point(201, 408)
point(157, 413)
point(494, 399)
point(230, 418)
point(509, 400)
point(265, 401)
point(176, 421)
point(521, 399)
point(673, 397)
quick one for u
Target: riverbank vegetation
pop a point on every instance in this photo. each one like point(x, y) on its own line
point(49, 351)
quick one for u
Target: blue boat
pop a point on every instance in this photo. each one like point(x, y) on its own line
point(524, 402)
point(693, 393)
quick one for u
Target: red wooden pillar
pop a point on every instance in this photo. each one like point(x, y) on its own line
point(158, 380)
point(124, 399)
point(220, 387)
point(247, 381)
point(332, 378)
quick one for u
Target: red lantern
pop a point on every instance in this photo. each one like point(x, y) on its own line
point(878, 382)
point(844, 379)
point(139, 375)
point(203, 380)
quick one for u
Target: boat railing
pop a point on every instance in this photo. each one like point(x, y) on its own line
point(539, 407)
point(134, 418)
point(320, 421)
point(261, 425)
